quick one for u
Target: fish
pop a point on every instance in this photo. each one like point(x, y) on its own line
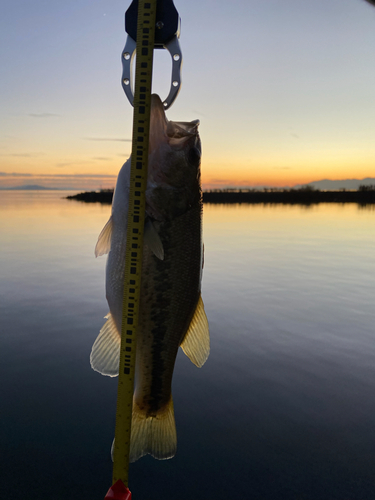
point(171, 310)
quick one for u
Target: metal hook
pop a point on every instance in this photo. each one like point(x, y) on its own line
point(127, 68)
point(128, 54)
point(167, 33)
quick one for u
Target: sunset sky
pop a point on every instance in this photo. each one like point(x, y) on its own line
point(284, 89)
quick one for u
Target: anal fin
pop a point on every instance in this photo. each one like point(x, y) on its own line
point(196, 343)
point(105, 352)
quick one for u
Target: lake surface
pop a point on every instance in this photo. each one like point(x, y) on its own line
point(284, 408)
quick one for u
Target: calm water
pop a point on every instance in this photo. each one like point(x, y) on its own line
point(283, 409)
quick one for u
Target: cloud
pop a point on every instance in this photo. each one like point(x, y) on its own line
point(42, 115)
point(101, 158)
point(23, 155)
point(115, 139)
point(198, 112)
point(26, 155)
point(61, 165)
point(60, 176)
point(14, 174)
point(69, 163)
point(58, 181)
point(219, 181)
point(77, 176)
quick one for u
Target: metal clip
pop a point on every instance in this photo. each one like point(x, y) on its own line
point(167, 34)
point(128, 54)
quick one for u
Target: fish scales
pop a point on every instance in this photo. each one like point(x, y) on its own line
point(169, 295)
point(171, 312)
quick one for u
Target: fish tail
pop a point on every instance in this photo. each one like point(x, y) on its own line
point(155, 434)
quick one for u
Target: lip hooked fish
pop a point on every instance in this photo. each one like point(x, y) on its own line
point(171, 308)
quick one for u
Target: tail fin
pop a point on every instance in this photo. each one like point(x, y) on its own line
point(154, 435)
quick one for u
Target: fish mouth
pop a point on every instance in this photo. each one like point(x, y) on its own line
point(164, 131)
point(158, 123)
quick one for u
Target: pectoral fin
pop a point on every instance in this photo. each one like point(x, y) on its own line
point(103, 245)
point(152, 239)
point(196, 343)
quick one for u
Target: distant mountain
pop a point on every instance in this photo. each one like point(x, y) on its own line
point(32, 187)
point(327, 184)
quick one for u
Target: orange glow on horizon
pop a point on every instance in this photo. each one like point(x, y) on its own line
point(279, 174)
point(100, 172)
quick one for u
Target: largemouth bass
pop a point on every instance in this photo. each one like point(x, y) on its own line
point(171, 308)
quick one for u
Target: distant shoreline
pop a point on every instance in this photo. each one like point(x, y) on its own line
point(304, 196)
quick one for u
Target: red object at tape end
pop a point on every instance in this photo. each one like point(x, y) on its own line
point(118, 491)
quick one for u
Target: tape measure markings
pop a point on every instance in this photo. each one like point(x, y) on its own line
point(134, 243)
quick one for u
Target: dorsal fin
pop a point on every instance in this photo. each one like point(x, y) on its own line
point(196, 343)
point(103, 244)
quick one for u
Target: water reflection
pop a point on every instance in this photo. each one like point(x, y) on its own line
point(282, 409)
point(367, 206)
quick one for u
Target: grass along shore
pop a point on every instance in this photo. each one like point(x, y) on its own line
point(303, 196)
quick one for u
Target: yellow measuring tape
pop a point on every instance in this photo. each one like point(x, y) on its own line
point(134, 242)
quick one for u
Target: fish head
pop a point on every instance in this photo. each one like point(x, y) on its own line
point(174, 162)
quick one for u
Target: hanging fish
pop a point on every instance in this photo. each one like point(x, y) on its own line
point(171, 310)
